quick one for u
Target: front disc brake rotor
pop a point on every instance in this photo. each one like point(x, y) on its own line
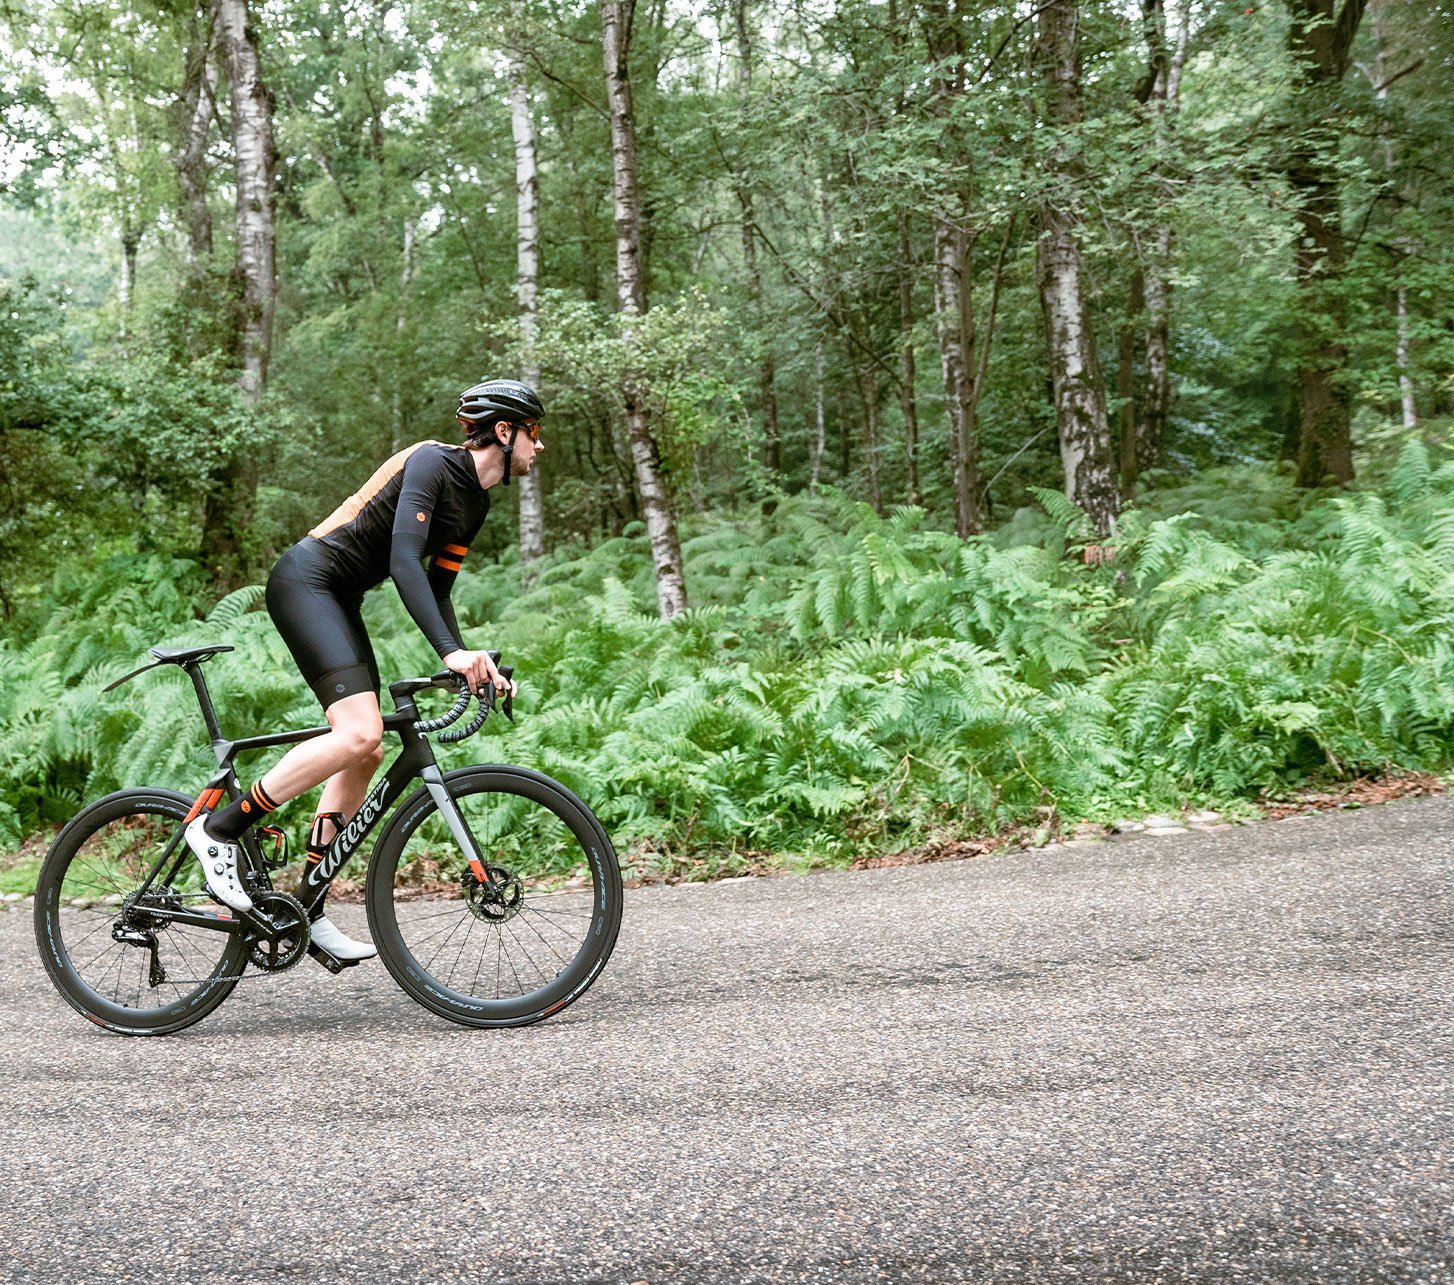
point(497, 901)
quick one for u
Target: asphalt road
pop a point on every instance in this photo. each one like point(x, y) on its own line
point(1220, 1056)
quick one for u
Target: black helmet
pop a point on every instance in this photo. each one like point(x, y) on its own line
point(486, 404)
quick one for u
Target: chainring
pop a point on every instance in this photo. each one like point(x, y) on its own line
point(290, 943)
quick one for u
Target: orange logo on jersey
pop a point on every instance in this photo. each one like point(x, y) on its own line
point(246, 806)
point(423, 517)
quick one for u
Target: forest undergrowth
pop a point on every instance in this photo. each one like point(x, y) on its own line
point(844, 683)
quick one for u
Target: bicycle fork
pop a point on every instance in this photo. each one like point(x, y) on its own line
point(433, 780)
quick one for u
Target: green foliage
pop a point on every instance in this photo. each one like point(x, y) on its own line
point(846, 681)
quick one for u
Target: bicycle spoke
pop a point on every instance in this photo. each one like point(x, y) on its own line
point(111, 864)
point(513, 939)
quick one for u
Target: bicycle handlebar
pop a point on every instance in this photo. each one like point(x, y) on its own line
point(456, 711)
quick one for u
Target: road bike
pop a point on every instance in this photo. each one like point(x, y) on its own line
point(493, 893)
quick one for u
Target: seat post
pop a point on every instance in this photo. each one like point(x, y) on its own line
point(204, 699)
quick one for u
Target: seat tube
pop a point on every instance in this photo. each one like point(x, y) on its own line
point(209, 714)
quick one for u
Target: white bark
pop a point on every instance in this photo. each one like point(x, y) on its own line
point(527, 287)
point(1408, 405)
point(1157, 396)
point(953, 285)
point(1401, 356)
point(656, 499)
point(1080, 401)
point(820, 438)
point(252, 138)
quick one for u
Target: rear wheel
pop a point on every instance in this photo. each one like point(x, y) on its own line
point(525, 944)
point(110, 959)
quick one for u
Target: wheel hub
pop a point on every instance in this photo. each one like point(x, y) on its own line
point(497, 901)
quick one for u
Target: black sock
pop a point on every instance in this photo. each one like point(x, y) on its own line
point(230, 824)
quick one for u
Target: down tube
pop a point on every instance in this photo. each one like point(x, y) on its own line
point(319, 875)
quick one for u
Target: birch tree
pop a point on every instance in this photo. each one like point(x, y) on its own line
point(953, 283)
point(252, 141)
point(1080, 398)
point(656, 499)
point(527, 253)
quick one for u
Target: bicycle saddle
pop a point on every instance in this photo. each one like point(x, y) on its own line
point(172, 656)
point(181, 655)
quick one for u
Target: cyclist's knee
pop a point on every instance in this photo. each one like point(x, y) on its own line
point(364, 741)
point(361, 731)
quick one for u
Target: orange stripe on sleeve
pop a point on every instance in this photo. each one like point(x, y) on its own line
point(447, 564)
point(459, 550)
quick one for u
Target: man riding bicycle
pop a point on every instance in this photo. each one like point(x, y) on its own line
point(426, 501)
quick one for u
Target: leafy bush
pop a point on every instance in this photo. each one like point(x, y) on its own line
point(845, 681)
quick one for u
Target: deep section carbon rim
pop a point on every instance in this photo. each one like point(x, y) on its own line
point(522, 945)
point(108, 954)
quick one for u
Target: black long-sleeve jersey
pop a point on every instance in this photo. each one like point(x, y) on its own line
point(426, 501)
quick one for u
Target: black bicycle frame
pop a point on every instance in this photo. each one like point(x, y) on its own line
point(416, 759)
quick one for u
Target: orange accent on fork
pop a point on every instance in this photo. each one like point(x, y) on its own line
point(479, 871)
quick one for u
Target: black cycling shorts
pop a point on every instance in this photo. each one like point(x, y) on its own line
point(320, 621)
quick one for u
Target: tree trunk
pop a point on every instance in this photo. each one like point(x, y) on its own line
point(1400, 301)
point(1080, 399)
point(868, 397)
point(954, 319)
point(252, 138)
point(1320, 41)
point(953, 284)
point(126, 285)
point(196, 106)
point(908, 407)
point(398, 428)
point(742, 180)
point(1126, 378)
point(527, 257)
point(1156, 392)
point(820, 436)
point(233, 492)
point(1164, 70)
point(656, 499)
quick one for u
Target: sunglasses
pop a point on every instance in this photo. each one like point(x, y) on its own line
point(533, 428)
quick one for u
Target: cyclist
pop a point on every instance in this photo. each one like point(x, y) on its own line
point(426, 501)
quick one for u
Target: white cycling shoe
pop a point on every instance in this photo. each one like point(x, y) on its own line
point(219, 865)
point(327, 935)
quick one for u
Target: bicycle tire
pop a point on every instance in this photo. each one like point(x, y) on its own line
point(392, 863)
point(60, 917)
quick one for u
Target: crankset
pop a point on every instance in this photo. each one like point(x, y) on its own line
point(286, 942)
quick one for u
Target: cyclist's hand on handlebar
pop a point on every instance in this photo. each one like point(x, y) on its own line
point(480, 670)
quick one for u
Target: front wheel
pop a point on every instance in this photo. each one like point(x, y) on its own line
point(525, 944)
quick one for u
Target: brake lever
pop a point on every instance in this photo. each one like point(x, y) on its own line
point(508, 706)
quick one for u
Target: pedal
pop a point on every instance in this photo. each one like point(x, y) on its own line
point(332, 964)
